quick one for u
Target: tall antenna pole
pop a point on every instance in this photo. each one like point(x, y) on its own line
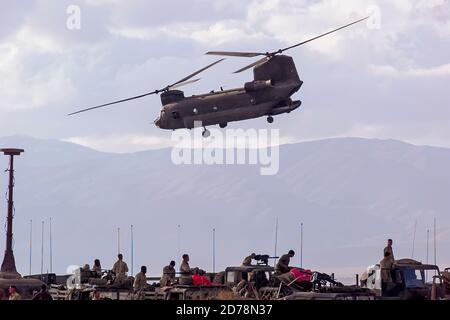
point(435, 259)
point(179, 240)
point(276, 241)
point(301, 245)
point(31, 241)
point(42, 249)
point(428, 241)
point(8, 268)
point(132, 253)
point(214, 250)
point(118, 240)
point(51, 255)
point(414, 239)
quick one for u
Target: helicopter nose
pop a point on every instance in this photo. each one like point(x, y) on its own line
point(158, 122)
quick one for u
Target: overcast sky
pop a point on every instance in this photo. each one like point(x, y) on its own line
point(386, 82)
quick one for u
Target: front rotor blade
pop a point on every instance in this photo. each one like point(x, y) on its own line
point(322, 35)
point(254, 64)
point(197, 72)
point(119, 101)
point(236, 54)
point(183, 83)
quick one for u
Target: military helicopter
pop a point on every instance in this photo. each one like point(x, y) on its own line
point(275, 81)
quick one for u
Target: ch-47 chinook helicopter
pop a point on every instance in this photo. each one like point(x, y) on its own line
point(269, 94)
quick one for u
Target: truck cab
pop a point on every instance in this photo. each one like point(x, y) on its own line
point(409, 280)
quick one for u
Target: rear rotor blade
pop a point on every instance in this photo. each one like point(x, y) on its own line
point(236, 54)
point(196, 72)
point(322, 35)
point(111, 103)
point(183, 83)
point(254, 64)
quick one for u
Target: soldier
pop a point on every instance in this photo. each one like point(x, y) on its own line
point(97, 268)
point(168, 276)
point(386, 270)
point(283, 264)
point(120, 269)
point(43, 294)
point(96, 295)
point(389, 249)
point(185, 271)
point(13, 294)
point(140, 281)
point(248, 260)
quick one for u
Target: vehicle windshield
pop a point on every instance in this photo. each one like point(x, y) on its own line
point(413, 278)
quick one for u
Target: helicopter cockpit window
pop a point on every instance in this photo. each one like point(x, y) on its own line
point(175, 115)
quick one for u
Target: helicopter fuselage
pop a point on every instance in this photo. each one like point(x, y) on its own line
point(275, 81)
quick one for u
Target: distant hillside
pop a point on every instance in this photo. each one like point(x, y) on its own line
point(351, 194)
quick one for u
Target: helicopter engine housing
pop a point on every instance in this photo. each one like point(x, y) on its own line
point(257, 85)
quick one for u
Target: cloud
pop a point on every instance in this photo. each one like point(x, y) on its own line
point(391, 71)
point(123, 143)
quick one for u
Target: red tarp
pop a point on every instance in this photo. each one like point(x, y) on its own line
point(301, 275)
point(200, 280)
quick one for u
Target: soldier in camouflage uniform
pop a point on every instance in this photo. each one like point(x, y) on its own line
point(283, 263)
point(168, 276)
point(120, 269)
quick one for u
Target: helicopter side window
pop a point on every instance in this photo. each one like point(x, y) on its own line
point(175, 115)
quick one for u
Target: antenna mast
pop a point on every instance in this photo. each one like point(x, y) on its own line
point(51, 249)
point(132, 251)
point(301, 245)
point(214, 249)
point(42, 249)
point(414, 239)
point(31, 241)
point(8, 268)
point(276, 240)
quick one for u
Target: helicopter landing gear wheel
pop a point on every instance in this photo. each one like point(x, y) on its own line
point(223, 125)
point(206, 133)
point(270, 119)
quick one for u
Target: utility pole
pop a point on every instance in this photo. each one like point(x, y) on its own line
point(8, 269)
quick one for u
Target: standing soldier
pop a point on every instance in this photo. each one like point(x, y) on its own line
point(389, 249)
point(13, 294)
point(248, 260)
point(185, 271)
point(120, 269)
point(168, 276)
point(283, 264)
point(386, 270)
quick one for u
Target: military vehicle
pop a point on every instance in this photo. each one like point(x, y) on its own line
point(408, 281)
point(261, 282)
point(268, 94)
